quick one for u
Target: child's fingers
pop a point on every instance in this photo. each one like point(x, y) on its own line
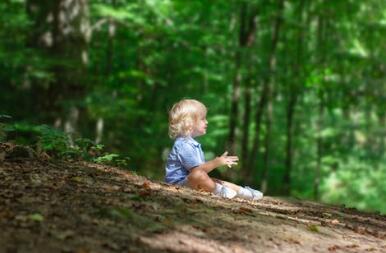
point(225, 153)
point(230, 163)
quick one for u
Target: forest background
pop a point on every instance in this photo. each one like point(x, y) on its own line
point(296, 89)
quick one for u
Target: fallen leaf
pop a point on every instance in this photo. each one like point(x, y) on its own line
point(328, 215)
point(359, 229)
point(335, 222)
point(77, 179)
point(334, 248)
point(243, 210)
point(146, 185)
point(36, 217)
point(313, 228)
point(294, 241)
point(352, 246)
point(62, 235)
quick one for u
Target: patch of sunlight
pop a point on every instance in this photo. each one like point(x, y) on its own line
point(330, 162)
point(360, 138)
point(333, 182)
point(328, 132)
point(163, 9)
point(218, 120)
point(382, 22)
point(364, 187)
point(331, 188)
point(356, 117)
point(362, 205)
point(358, 49)
point(337, 112)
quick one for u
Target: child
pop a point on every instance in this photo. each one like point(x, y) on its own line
point(186, 164)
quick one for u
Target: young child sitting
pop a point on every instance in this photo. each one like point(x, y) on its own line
point(186, 164)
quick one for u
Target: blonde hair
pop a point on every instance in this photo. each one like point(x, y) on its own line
point(183, 116)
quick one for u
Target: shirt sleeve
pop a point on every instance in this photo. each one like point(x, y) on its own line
point(189, 156)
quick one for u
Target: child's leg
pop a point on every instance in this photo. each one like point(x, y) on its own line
point(200, 180)
point(242, 192)
point(233, 186)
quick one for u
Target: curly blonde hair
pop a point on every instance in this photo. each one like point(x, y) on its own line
point(183, 116)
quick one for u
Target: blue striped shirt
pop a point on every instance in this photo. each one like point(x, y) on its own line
point(185, 155)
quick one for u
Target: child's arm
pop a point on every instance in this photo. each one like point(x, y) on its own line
point(222, 160)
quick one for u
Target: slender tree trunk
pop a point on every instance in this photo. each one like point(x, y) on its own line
point(293, 94)
point(234, 114)
point(246, 123)
point(382, 141)
point(110, 52)
point(319, 147)
point(277, 24)
point(289, 145)
point(267, 141)
point(321, 44)
point(61, 32)
point(246, 38)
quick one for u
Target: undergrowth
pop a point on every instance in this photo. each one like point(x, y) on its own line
point(56, 144)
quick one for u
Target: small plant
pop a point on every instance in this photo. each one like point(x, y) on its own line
point(52, 140)
point(113, 159)
point(42, 138)
point(55, 143)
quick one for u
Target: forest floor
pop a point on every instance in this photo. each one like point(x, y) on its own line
point(80, 207)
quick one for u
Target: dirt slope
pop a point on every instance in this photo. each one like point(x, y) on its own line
point(48, 206)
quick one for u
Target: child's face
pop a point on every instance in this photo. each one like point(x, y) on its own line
point(200, 127)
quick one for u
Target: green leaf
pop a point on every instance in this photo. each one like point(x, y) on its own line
point(313, 228)
point(36, 217)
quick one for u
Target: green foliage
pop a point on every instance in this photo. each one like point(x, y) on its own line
point(42, 137)
point(143, 56)
point(58, 144)
point(357, 184)
point(113, 159)
point(36, 217)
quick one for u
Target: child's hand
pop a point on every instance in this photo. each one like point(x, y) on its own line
point(224, 159)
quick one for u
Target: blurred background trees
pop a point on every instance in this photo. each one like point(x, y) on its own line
point(297, 89)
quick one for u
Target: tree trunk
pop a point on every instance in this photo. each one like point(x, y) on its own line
point(293, 94)
point(246, 38)
point(246, 123)
point(319, 147)
point(267, 140)
point(321, 44)
point(61, 31)
point(100, 123)
point(266, 89)
point(289, 148)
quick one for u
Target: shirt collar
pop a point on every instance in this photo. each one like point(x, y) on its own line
point(191, 141)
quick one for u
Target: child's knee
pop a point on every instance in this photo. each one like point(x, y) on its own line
point(198, 175)
point(199, 178)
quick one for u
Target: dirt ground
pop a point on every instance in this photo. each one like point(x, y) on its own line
point(55, 206)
